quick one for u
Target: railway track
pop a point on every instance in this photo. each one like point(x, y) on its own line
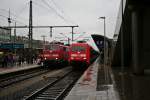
point(20, 77)
point(56, 89)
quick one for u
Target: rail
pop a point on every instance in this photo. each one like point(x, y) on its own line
point(20, 77)
point(57, 89)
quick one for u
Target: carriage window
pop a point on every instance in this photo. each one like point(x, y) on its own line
point(78, 48)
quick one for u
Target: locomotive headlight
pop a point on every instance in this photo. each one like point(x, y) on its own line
point(84, 58)
point(45, 58)
point(72, 58)
point(83, 55)
point(73, 55)
point(56, 58)
point(55, 55)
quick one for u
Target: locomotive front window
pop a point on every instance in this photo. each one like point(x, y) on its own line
point(52, 47)
point(78, 48)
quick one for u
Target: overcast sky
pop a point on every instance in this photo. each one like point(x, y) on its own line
point(84, 13)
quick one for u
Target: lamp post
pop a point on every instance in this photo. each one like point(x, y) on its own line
point(104, 38)
point(105, 68)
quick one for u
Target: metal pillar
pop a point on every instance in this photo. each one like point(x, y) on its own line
point(15, 33)
point(68, 41)
point(122, 52)
point(137, 41)
point(104, 39)
point(9, 22)
point(30, 34)
point(72, 34)
point(43, 39)
point(51, 30)
point(14, 40)
point(122, 40)
point(104, 42)
point(30, 25)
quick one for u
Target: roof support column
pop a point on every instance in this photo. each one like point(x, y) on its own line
point(136, 18)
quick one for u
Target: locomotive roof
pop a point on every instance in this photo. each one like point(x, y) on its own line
point(79, 44)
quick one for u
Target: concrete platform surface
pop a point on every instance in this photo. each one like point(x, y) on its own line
point(85, 88)
point(17, 68)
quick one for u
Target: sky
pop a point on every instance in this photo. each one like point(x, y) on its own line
point(84, 13)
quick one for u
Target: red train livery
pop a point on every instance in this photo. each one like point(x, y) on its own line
point(77, 55)
point(81, 54)
point(55, 54)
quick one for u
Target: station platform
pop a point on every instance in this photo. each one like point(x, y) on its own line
point(13, 69)
point(88, 86)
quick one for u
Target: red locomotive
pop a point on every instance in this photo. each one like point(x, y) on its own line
point(81, 54)
point(55, 54)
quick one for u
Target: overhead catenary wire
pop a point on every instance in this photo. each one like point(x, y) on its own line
point(62, 11)
point(13, 15)
point(54, 10)
point(47, 4)
point(56, 5)
point(41, 6)
point(12, 19)
point(21, 11)
point(49, 8)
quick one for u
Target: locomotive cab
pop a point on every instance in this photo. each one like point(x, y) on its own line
point(55, 54)
point(79, 54)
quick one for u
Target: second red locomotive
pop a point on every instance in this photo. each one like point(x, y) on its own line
point(55, 54)
point(81, 54)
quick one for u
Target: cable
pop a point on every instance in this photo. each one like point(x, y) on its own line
point(49, 9)
point(21, 10)
point(58, 7)
point(61, 10)
point(14, 15)
point(54, 10)
point(12, 19)
point(37, 4)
